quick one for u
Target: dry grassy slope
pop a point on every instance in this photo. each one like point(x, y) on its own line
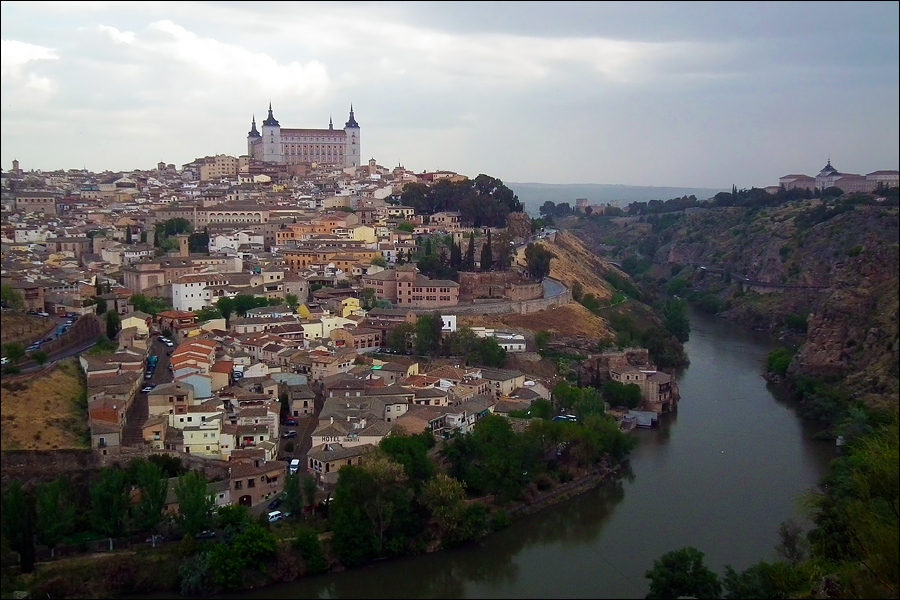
point(573, 262)
point(19, 327)
point(40, 413)
point(576, 262)
point(567, 321)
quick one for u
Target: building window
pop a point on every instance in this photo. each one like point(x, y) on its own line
point(251, 483)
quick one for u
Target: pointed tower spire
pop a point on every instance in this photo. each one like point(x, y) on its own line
point(254, 132)
point(270, 120)
point(351, 122)
point(330, 123)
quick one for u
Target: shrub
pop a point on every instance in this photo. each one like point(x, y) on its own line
point(778, 361)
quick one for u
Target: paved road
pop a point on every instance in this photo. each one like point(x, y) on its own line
point(552, 288)
point(140, 409)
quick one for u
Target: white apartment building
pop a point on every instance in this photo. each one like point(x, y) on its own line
point(234, 240)
point(191, 292)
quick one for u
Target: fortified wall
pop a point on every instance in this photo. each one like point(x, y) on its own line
point(506, 285)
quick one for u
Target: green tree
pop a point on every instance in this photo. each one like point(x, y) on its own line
point(195, 503)
point(148, 305)
point(456, 260)
point(207, 314)
point(234, 517)
point(292, 300)
point(109, 503)
point(542, 340)
point(226, 307)
point(428, 334)
point(778, 361)
point(40, 357)
point(100, 306)
point(379, 261)
point(11, 297)
point(469, 258)
point(682, 573)
point(398, 338)
point(768, 580)
point(621, 394)
point(152, 485)
point(17, 524)
point(306, 543)
point(310, 487)
point(251, 549)
point(491, 353)
point(55, 513)
point(14, 351)
point(406, 226)
point(577, 291)
point(292, 496)
point(411, 451)
point(676, 319)
point(487, 254)
point(445, 499)
point(113, 324)
point(537, 260)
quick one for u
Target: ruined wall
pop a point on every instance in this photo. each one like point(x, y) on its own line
point(508, 285)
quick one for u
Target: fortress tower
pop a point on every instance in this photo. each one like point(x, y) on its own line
point(284, 146)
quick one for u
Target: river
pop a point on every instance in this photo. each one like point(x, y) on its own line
point(720, 474)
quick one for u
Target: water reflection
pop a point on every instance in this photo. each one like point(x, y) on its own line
point(719, 474)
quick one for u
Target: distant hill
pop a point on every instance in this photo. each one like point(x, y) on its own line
point(533, 195)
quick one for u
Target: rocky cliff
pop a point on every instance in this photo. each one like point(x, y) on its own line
point(824, 278)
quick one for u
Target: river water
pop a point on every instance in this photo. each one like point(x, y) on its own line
point(720, 475)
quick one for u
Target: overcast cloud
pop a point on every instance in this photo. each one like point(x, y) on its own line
point(666, 94)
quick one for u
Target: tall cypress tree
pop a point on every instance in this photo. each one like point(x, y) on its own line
point(469, 263)
point(455, 255)
point(487, 254)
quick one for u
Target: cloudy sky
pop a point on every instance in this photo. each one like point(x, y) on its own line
point(690, 94)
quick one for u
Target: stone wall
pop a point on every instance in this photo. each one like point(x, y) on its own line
point(508, 285)
point(36, 466)
point(503, 307)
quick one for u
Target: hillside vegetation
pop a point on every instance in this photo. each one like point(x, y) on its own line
point(838, 313)
point(47, 412)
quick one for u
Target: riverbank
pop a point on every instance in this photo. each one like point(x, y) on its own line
point(145, 572)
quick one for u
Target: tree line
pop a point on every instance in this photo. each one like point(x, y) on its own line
point(482, 202)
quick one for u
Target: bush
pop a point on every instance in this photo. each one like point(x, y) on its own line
point(796, 322)
point(195, 575)
point(310, 550)
point(501, 520)
point(778, 361)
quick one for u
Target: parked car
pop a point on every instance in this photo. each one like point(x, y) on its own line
point(289, 434)
point(148, 375)
point(290, 422)
point(4, 361)
point(148, 388)
point(275, 515)
point(274, 503)
point(206, 535)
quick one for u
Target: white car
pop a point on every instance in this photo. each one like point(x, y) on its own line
point(4, 361)
point(275, 515)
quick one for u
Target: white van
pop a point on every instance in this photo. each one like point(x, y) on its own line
point(295, 466)
point(275, 515)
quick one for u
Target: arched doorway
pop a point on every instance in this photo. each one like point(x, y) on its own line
point(245, 500)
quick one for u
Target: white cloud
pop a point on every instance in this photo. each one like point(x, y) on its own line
point(14, 55)
point(165, 43)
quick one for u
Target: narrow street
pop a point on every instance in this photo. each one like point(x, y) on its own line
point(139, 409)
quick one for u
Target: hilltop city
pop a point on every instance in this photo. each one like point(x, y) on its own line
point(283, 311)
